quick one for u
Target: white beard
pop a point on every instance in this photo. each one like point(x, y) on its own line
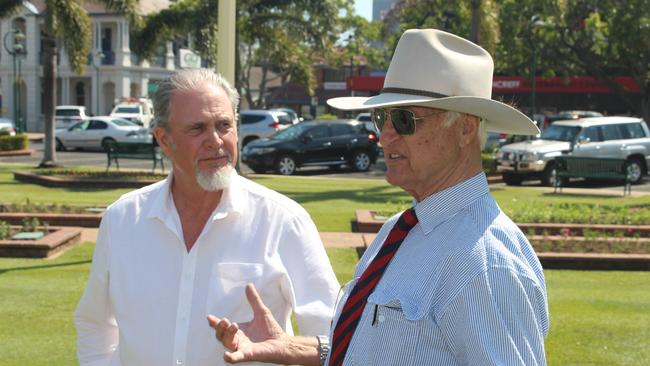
point(217, 181)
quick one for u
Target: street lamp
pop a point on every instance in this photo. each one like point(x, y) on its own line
point(352, 47)
point(16, 49)
point(535, 22)
point(96, 63)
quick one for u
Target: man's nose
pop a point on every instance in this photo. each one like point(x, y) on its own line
point(388, 133)
point(213, 139)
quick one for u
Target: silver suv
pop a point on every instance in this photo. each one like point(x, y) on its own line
point(604, 137)
point(258, 123)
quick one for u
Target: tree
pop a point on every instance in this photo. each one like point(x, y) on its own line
point(65, 21)
point(283, 38)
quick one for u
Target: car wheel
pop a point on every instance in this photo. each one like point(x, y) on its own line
point(59, 145)
point(634, 169)
point(285, 165)
point(511, 179)
point(549, 176)
point(361, 161)
point(107, 141)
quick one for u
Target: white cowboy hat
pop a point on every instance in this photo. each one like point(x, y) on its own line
point(432, 68)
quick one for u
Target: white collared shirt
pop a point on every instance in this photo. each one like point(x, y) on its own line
point(148, 297)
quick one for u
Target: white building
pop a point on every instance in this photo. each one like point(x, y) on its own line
point(113, 71)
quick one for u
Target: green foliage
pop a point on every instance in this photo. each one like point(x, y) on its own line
point(489, 164)
point(18, 142)
point(30, 224)
point(326, 116)
point(5, 230)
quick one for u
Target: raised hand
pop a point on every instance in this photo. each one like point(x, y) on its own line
point(262, 339)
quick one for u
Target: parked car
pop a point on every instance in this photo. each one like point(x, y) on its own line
point(569, 115)
point(67, 115)
point(138, 111)
point(258, 123)
point(97, 132)
point(294, 116)
point(315, 143)
point(8, 125)
point(614, 137)
point(366, 119)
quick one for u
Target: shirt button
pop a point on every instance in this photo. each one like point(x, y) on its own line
point(179, 362)
point(381, 318)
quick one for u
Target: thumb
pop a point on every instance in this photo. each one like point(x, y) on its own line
point(234, 357)
point(259, 309)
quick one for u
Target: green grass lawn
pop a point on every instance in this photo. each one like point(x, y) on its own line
point(597, 318)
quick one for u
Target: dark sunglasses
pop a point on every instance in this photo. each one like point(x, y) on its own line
point(403, 119)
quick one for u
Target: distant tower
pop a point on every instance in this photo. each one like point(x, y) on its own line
point(380, 8)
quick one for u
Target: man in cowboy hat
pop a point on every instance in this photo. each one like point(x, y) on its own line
point(450, 281)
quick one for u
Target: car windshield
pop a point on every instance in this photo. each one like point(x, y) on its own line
point(134, 109)
point(291, 133)
point(122, 122)
point(67, 112)
point(560, 133)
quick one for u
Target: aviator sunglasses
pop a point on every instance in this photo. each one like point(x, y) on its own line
point(403, 119)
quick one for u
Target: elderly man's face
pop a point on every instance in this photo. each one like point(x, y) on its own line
point(426, 159)
point(202, 136)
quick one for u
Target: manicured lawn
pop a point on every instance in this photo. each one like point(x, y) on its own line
point(597, 318)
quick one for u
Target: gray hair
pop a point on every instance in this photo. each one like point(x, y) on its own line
point(188, 80)
point(452, 116)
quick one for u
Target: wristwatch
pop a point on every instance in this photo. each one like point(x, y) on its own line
point(323, 348)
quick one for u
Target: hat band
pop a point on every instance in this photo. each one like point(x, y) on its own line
point(413, 92)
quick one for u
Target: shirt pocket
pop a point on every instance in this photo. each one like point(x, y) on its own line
point(385, 336)
point(226, 294)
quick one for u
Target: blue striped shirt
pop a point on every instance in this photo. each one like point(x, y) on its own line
point(465, 288)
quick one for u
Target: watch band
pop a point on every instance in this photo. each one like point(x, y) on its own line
point(323, 348)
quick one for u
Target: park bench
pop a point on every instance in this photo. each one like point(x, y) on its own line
point(133, 150)
point(589, 167)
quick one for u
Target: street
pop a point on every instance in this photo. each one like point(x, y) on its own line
point(377, 171)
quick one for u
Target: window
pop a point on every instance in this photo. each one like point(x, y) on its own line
point(318, 132)
point(611, 132)
point(79, 126)
point(591, 133)
point(80, 90)
point(632, 131)
point(342, 129)
point(247, 119)
point(97, 125)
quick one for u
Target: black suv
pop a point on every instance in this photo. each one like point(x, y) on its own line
point(314, 143)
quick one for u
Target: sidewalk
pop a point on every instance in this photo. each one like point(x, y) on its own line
point(331, 240)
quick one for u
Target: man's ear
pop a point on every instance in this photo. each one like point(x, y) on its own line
point(468, 130)
point(163, 139)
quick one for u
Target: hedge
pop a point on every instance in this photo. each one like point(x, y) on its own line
point(18, 142)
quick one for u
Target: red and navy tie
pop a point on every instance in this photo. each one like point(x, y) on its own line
point(358, 298)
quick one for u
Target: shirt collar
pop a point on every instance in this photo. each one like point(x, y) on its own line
point(232, 200)
point(440, 206)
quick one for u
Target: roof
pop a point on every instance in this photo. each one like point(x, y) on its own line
point(595, 121)
point(143, 7)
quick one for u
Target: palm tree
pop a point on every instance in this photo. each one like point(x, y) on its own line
point(64, 20)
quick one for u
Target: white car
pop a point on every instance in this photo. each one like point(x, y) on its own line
point(8, 125)
point(258, 123)
point(67, 115)
point(139, 112)
point(97, 132)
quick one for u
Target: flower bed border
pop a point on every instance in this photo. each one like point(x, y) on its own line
point(52, 244)
point(56, 182)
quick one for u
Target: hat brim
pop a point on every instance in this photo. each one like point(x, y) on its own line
point(499, 117)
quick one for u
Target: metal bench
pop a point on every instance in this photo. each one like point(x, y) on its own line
point(133, 150)
point(586, 167)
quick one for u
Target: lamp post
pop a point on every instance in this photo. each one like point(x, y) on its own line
point(16, 49)
point(96, 63)
point(535, 22)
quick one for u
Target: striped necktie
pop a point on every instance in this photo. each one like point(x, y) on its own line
point(356, 302)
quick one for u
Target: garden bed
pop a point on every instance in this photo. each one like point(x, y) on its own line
point(88, 179)
point(55, 241)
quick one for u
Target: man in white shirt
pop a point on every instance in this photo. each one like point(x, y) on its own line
point(173, 252)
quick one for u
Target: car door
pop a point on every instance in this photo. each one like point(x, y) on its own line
point(315, 144)
point(75, 136)
point(343, 136)
point(95, 133)
point(589, 142)
point(612, 142)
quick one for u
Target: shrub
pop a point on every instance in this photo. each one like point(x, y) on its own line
point(326, 116)
point(5, 230)
point(18, 142)
point(489, 164)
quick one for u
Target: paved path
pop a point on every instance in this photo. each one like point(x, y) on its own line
point(331, 240)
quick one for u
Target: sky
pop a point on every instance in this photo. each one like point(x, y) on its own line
point(363, 8)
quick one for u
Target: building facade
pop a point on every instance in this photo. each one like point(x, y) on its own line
point(113, 72)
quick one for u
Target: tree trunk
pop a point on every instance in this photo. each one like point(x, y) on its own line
point(645, 106)
point(49, 100)
point(476, 21)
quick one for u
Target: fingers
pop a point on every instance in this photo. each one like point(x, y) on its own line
point(225, 330)
point(234, 357)
point(259, 309)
